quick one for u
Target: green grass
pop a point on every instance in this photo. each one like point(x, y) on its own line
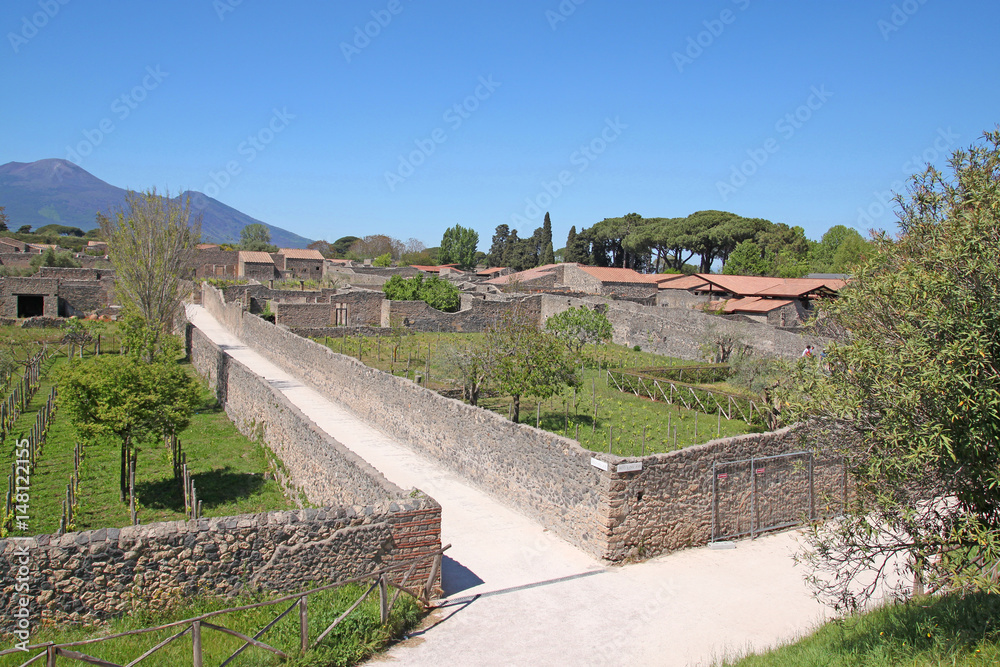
point(926, 632)
point(228, 470)
point(354, 640)
point(569, 414)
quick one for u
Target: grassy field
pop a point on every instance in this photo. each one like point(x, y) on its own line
point(354, 640)
point(229, 470)
point(926, 632)
point(630, 424)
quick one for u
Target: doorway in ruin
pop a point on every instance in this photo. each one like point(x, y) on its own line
point(30, 305)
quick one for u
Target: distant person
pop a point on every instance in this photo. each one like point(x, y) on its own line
point(808, 352)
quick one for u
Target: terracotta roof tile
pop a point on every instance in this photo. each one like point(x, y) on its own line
point(255, 257)
point(754, 305)
point(607, 274)
point(684, 282)
point(301, 253)
point(523, 276)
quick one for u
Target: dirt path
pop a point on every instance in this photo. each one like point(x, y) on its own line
point(517, 595)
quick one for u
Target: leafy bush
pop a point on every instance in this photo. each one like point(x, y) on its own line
point(436, 293)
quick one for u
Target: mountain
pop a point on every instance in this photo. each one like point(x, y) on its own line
point(58, 191)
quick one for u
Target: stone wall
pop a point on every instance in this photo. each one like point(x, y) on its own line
point(668, 504)
point(99, 574)
point(680, 332)
point(418, 316)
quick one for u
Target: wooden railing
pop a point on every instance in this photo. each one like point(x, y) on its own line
point(195, 626)
point(692, 397)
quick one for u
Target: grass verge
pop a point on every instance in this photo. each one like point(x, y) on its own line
point(925, 632)
point(357, 638)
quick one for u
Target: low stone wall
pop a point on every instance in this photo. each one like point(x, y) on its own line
point(95, 575)
point(668, 504)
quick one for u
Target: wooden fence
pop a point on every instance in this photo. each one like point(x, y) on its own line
point(692, 397)
point(195, 626)
point(26, 457)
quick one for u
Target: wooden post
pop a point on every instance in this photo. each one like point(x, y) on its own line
point(50, 656)
point(429, 586)
point(643, 439)
point(611, 437)
point(718, 430)
point(196, 643)
point(303, 624)
point(538, 413)
point(383, 599)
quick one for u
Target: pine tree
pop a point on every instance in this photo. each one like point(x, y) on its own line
point(508, 251)
point(548, 255)
point(498, 250)
point(570, 254)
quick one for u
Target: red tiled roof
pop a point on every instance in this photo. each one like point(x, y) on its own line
point(754, 304)
point(255, 257)
point(523, 276)
point(200, 246)
point(772, 287)
point(491, 271)
point(684, 282)
point(607, 274)
point(301, 253)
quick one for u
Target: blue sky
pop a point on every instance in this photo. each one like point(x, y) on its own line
point(405, 117)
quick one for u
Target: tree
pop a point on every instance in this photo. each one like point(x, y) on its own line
point(577, 327)
point(52, 258)
point(3, 219)
point(342, 245)
point(434, 291)
point(498, 248)
point(256, 236)
point(126, 399)
point(383, 261)
point(571, 254)
point(374, 245)
point(548, 254)
point(748, 259)
point(918, 385)
point(24, 229)
point(151, 242)
point(458, 246)
point(525, 361)
point(324, 248)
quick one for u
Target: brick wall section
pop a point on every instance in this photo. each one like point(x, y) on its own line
point(543, 475)
point(80, 577)
point(215, 263)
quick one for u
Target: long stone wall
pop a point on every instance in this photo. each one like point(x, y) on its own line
point(99, 574)
point(680, 332)
point(614, 516)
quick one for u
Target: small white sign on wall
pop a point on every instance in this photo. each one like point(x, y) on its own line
point(597, 463)
point(629, 467)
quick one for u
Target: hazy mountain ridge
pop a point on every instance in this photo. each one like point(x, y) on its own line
point(58, 191)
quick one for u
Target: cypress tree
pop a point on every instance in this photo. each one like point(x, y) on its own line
point(548, 255)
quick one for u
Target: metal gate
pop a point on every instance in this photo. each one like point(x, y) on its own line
point(761, 493)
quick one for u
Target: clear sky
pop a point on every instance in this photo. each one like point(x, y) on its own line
point(406, 117)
